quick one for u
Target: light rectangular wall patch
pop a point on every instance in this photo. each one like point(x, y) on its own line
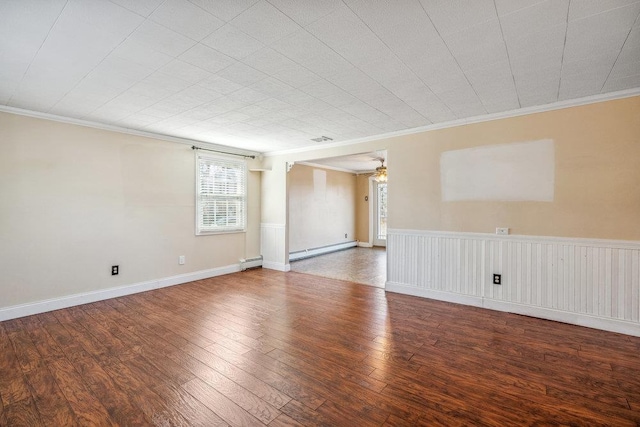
point(522, 171)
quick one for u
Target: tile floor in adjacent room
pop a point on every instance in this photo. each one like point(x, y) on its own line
point(360, 265)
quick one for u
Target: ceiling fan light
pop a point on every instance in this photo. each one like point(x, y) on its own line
point(381, 173)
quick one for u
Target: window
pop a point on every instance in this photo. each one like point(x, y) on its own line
point(221, 194)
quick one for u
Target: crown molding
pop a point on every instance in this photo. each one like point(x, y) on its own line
point(454, 123)
point(594, 99)
point(112, 128)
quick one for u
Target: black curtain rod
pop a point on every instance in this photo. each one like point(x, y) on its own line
point(193, 147)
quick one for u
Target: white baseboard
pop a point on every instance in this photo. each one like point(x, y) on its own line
point(37, 307)
point(607, 324)
point(322, 250)
point(365, 245)
point(279, 266)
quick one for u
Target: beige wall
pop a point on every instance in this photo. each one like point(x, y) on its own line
point(322, 207)
point(76, 200)
point(597, 175)
point(362, 208)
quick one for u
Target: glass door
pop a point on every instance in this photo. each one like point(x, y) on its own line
point(380, 214)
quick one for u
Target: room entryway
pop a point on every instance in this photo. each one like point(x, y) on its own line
point(361, 265)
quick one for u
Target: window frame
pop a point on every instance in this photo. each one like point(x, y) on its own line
point(199, 210)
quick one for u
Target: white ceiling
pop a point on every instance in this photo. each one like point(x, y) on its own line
point(272, 75)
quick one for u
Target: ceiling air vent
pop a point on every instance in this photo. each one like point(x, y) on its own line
point(322, 139)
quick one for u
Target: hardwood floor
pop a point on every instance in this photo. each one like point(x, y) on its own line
point(288, 349)
point(360, 265)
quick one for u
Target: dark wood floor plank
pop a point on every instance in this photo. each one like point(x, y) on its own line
point(87, 408)
point(23, 413)
point(53, 406)
point(284, 420)
point(295, 387)
point(236, 393)
point(287, 349)
point(117, 402)
point(192, 410)
point(26, 352)
point(258, 387)
point(136, 384)
point(223, 406)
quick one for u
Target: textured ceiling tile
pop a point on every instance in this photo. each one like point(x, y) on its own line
point(207, 58)
point(621, 70)
point(185, 71)
point(526, 44)
point(631, 49)
point(601, 64)
point(354, 68)
point(186, 18)
point(535, 19)
point(154, 36)
point(242, 74)
point(479, 45)
point(583, 85)
point(304, 13)
point(450, 16)
point(141, 54)
point(629, 82)
point(141, 7)
point(271, 87)
point(232, 42)
point(265, 23)
point(224, 9)
point(24, 26)
point(551, 59)
point(506, 7)
point(582, 8)
point(219, 84)
point(102, 16)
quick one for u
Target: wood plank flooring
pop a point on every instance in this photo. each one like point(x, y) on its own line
point(289, 349)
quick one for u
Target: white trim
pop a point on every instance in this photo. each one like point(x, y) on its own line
point(128, 131)
point(43, 306)
point(370, 208)
point(364, 245)
point(278, 266)
point(612, 325)
point(580, 241)
point(293, 256)
point(272, 225)
point(333, 168)
point(582, 281)
point(469, 120)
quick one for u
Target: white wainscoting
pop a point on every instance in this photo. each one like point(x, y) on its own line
point(587, 282)
point(272, 246)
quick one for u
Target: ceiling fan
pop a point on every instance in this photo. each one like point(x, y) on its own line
point(380, 175)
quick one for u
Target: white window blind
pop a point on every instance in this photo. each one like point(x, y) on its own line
point(221, 194)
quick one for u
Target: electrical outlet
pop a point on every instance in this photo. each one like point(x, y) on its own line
point(181, 260)
point(345, 235)
point(497, 279)
point(502, 231)
point(115, 270)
